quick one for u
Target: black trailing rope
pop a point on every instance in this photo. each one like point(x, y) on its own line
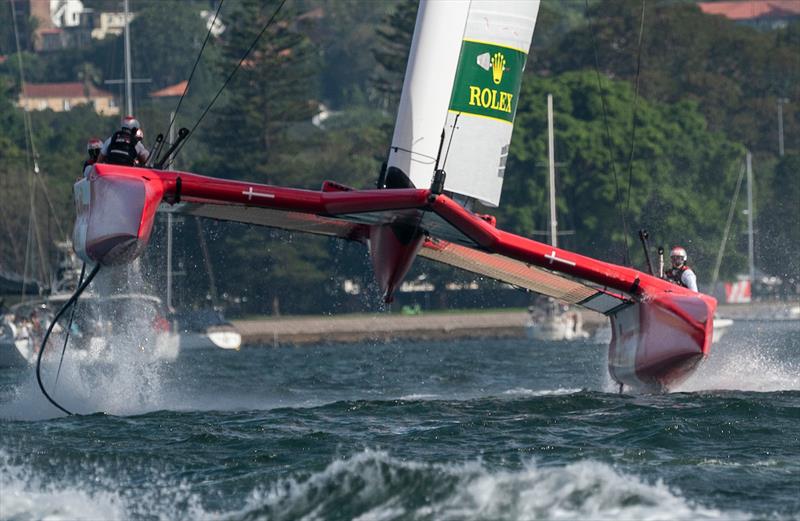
point(72, 300)
point(194, 67)
point(618, 201)
point(230, 76)
point(69, 328)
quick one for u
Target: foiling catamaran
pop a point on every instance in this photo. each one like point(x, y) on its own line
point(448, 150)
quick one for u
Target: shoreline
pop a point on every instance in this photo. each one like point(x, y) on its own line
point(385, 327)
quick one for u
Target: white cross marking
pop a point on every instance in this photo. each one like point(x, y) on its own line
point(553, 257)
point(250, 193)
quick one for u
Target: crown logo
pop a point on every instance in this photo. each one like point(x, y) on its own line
point(498, 67)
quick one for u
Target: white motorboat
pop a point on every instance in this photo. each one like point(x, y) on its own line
point(10, 355)
point(554, 322)
point(721, 326)
point(98, 326)
point(206, 329)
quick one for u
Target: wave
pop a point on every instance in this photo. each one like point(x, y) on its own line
point(747, 366)
point(373, 485)
point(521, 391)
point(368, 486)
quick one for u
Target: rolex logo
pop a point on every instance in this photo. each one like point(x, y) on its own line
point(498, 67)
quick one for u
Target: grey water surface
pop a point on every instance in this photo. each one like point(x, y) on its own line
point(465, 429)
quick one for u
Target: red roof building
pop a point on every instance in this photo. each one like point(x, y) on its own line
point(61, 97)
point(171, 91)
point(768, 13)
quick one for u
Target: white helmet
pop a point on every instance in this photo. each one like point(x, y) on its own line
point(94, 144)
point(130, 123)
point(678, 255)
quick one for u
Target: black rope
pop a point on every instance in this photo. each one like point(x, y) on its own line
point(633, 117)
point(70, 302)
point(618, 202)
point(69, 328)
point(194, 67)
point(230, 77)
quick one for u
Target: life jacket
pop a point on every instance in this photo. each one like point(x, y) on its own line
point(122, 148)
point(675, 275)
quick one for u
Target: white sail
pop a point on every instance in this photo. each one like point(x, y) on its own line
point(463, 75)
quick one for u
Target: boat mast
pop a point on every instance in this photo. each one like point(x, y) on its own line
point(169, 226)
point(552, 166)
point(128, 89)
point(750, 248)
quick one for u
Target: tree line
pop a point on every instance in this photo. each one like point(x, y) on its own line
point(665, 157)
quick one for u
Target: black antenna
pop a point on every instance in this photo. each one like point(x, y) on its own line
point(643, 236)
point(437, 185)
point(439, 174)
point(452, 134)
point(156, 151)
point(182, 134)
point(439, 153)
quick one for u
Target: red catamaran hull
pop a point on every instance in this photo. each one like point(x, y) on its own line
point(660, 331)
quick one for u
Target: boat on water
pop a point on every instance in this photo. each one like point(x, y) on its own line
point(461, 88)
point(10, 355)
point(554, 322)
point(206, 329)
point(100, 324)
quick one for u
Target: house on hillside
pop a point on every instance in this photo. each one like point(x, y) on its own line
point(60, 24)
point(171, 91)
point(61, 97)
point(761, 14)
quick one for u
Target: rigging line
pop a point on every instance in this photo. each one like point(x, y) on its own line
point(70, 302)
point(69, 328)
point(51, 207)
point(618, 202)
point(718, 263)
point(26, 123)
point(229, 78)
point(194, 67)
point(635, 104)
point(452, 134)
point(32, 153)
point(42, 257)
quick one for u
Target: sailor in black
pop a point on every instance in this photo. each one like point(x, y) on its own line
point(125, 147)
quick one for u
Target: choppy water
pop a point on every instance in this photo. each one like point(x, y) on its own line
point(480, 429)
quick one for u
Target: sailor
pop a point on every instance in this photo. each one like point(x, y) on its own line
point(123, 147)
point(93, 149)
point(680, 273)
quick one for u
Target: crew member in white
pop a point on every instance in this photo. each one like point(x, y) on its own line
point(680, 273)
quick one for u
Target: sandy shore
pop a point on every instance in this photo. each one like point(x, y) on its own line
point(299, 330)
point(384, 326)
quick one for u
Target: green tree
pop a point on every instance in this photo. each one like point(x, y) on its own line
point(679, 176)
point(391, 54)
